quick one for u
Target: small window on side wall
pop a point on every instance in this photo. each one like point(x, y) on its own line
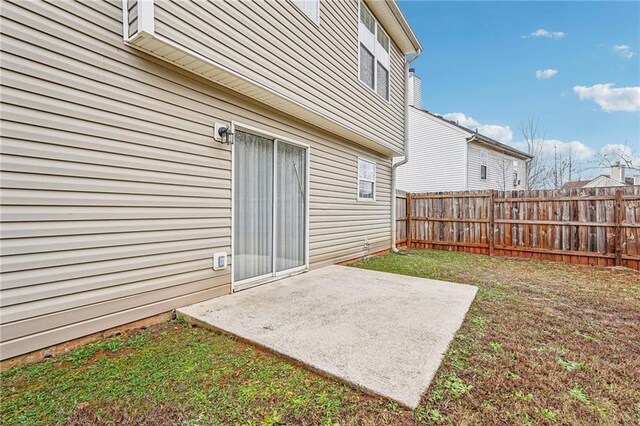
point(483, 166)
point(311, 8)
point(366, 180)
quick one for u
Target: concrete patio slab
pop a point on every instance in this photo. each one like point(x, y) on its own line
point(384, 332)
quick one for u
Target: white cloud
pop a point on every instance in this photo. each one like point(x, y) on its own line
point(504, 134)
point(547, 34)
point(623, 50)
point(611, 99)
point(550, 146)
point(548, 73)
point(494, 131)
point(618, 151)
point(462, 119)
point(577, 148)
point(616, 148)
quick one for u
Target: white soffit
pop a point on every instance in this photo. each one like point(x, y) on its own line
point(146, 39)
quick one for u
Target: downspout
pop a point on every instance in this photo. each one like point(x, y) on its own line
point(394, 249)
point(465, 161)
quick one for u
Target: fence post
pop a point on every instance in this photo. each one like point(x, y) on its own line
point(618, 212)
point(490, 228)
point(408, 221)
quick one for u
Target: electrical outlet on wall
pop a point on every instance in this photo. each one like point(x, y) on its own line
point(366, 244)
point(219, 261)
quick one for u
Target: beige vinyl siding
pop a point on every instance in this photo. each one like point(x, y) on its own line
point(436, 156)
point(316, 66)
point(115, 195)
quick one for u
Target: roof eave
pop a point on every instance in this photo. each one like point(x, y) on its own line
point(394, 22)
point(498, 146)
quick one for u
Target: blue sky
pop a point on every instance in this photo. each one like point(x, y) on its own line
point(480, 59)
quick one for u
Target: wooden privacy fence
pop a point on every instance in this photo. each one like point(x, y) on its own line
point(597, 226)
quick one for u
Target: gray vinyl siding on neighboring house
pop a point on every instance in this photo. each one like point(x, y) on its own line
point(499, 169)
point(436, 156)
point(115, 195)
point(275, 45)
point(438, 152)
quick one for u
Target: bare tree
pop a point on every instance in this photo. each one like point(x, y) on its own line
point(622, 154)
point(537, 168)
point(557, 168)
point(549, 169)
point(504, 169)
point(573, 165)
point(564, 166)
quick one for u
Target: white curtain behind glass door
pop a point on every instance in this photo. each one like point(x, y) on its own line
point(253, 206)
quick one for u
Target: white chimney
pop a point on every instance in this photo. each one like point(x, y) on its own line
point(415, 89)
point(617, 172)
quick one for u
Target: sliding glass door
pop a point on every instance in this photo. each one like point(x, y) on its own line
point(253, 207)
point(291, 179)
point(270, 208)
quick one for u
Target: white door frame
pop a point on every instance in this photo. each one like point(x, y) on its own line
point(263, 279)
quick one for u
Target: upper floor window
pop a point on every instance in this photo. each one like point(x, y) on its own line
point(374, 53)
point(366, 180)
point(311, 8)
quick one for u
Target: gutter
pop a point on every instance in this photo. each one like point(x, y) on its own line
point(394, 249)
point(498, 146)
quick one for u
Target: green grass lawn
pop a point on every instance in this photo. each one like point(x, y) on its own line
point(543, 343)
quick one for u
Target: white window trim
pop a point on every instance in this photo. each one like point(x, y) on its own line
point(484, 157)
point(249, 128)
point(375, 58)
point(375, 185)
point(316, 23)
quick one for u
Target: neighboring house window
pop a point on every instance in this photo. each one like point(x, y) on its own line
point(374, 53)
point(366, 180)
point(311, 8)
point(483, 165)
point(516, 182)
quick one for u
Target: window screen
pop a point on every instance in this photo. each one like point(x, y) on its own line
point(366, 180)
point(366, 67)
point(367, 18)
point(382, 81)
point(383, 39)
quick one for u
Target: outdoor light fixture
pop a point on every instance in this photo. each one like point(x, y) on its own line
point(224, 134)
